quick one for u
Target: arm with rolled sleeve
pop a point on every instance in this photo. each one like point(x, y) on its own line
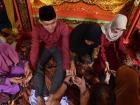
point(65, 47)
point(103, 50)
point(34, 53)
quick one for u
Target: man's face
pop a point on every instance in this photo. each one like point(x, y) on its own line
point(49, 25)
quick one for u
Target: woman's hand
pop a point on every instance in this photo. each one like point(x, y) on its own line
point(27, 69)
point(17, 80)
point(68, 79)
point(26, 80)
point(80, 82)
point(28, 75)
point(73, 68)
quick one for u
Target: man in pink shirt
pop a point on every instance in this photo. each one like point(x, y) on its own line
point(55, 36)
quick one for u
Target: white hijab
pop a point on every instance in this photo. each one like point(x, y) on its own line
point(120, 21)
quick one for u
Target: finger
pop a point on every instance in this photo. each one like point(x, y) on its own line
point(83, 79)
point(18, 78)
point(76, 83)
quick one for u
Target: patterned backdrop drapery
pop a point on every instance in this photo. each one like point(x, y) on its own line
point(72, 12)
point(111, 5)
point(82, 10)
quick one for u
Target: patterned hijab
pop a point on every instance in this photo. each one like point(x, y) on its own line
point(120, 22)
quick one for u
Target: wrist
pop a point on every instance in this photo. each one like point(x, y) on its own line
point(66, 83)
point(83, 91)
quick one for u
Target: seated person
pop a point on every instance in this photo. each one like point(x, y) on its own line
point(10, 73)
point(112, 44)
point(112, 50)
point(127, 85)
point(83, 40)
point(54, 35)
point(58, 97)
point(102, 94)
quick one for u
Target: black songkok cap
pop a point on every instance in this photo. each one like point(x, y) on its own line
point(47, 13)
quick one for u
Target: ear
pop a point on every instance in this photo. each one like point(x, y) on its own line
point(56, 18)
point(40, 21)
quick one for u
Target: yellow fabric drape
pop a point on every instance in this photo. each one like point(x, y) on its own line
point(10, 13)
point(49, 2)
point(136, 3)
point(110, 5)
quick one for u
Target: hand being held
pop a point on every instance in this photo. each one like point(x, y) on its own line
point(80, 82)
point(73, 68)
point(28, 75)
point(17, 80)
point(68, 79)
point(27, 69)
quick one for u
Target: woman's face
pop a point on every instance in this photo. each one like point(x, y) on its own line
point(117, 30)
point(89, 42)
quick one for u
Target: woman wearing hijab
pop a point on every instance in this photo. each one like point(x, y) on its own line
point(10, 72)
point(112, 48)
point(127, 86)
point(83, 40)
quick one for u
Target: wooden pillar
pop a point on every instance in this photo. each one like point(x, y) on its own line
point(134, 21)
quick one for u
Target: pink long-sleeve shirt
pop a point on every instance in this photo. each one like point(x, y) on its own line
point(59, 38)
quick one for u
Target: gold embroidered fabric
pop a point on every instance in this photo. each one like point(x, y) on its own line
point(110, 5)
